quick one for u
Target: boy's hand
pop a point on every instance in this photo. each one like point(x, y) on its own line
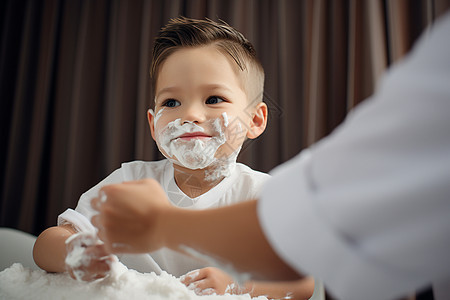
point(129, 214)
point(209, 281)
point(87, 259)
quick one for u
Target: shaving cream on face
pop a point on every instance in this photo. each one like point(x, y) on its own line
point(223, 167)
point(157, 115)
point(194, 153)
point(225, 119)
point(197, 153)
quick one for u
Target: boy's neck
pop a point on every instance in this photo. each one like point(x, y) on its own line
point(194, 183)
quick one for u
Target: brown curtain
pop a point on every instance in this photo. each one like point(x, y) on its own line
point(74, 83)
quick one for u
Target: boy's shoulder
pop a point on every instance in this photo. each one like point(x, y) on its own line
point(246, 183)
point(245, 170)
point(139, 169)
point(143, 163)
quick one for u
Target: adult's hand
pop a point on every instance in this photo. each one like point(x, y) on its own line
point(87, 259)
point(129, 215)
point(136, 217)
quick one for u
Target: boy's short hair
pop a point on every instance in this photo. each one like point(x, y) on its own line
point(184, 32)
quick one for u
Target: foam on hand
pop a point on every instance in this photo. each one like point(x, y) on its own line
point(77, 256)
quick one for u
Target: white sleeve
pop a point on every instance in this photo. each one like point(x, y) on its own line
point(79, 221)
point(81, 216)
point(367, 208)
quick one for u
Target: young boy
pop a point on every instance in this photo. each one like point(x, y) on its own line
point(208, 87)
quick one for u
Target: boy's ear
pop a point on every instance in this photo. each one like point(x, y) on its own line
point(151, 124)
point(258, 122)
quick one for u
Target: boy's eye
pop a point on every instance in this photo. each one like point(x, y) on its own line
point(171, 103)
point(214, 100)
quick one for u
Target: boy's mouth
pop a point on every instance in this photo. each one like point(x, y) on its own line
point(193, 135)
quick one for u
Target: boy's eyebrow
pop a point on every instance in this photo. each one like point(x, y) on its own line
point(216, 86)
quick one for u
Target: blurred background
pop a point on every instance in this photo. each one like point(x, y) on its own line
point(74, 83)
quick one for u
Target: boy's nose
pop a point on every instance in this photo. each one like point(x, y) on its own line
point(193, 114)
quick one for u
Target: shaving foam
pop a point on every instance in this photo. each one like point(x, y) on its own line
point(157, 115)
point(192, 154)
point(223, 167)
point(77, 255)
point(196, 153)
point(225, 119)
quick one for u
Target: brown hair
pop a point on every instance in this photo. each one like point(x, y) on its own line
point(185, 32)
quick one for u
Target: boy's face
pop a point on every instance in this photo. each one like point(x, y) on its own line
point(202, 114)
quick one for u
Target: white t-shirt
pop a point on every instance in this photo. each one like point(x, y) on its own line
point(243, 184)
point(367, 209)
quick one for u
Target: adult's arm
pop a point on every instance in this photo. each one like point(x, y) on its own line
point(367, 208)
point(137, 217)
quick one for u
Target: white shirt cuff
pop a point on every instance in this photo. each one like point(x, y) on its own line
point(297, 231)
point(79, 221)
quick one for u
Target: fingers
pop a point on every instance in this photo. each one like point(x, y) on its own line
point(94, 263)
point(101, 234)
point(206, 281)
point(99, 252)
point(94, 271)
point(191, 277)
point(202, 287)
point(96, 220)
point(115, 247)
point(127, 214)
point(109, 191)
point(80, 239)
point(98, 202)
point(196, 281)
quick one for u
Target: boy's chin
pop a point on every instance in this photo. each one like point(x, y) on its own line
point(217, 163)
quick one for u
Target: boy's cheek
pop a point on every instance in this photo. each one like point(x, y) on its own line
point(236, 132)
point(233, 143)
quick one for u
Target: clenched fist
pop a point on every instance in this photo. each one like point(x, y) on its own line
point(129, 216)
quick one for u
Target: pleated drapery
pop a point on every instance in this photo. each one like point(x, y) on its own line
point(74, 83)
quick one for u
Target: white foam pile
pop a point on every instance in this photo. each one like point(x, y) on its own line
point(17, 282)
